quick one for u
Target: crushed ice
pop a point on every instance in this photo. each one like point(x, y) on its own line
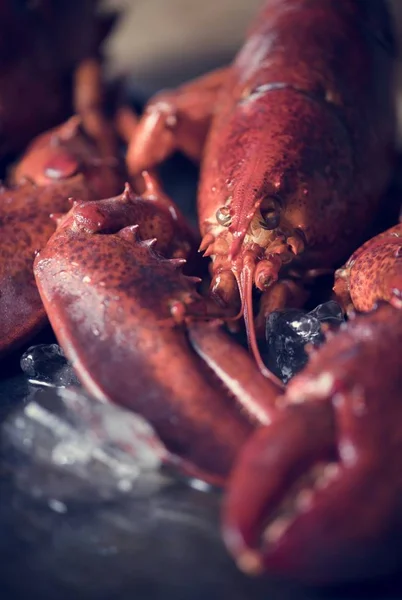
point(288, 331)
point(46, 365)
point(63, 446)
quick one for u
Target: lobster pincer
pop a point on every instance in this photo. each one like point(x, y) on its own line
point(120, 305)
point(316, 496)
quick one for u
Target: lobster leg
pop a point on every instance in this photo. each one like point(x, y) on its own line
point(256, 394)
point(89, 105)
point(126, 122)
point(175, 120)
point(88, 88)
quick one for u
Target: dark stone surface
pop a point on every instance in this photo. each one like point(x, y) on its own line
point(167, 545)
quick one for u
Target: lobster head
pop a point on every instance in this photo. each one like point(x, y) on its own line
point(280, 193)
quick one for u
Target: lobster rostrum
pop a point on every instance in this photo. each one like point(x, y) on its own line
point(284, 185)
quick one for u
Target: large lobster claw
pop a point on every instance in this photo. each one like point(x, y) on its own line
point(317, 495)
point(120, 311)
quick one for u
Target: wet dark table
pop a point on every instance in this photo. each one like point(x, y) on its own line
point(166, 546)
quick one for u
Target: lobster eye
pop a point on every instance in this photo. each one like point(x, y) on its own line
point(270, 212)
point(223, 216)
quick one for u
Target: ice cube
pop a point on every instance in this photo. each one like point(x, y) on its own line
point(288, 331)
point(46, 365)
point(305, 326)
point(63, 445)
point(328, 312)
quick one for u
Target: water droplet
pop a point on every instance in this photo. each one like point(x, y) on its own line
point(57, 506)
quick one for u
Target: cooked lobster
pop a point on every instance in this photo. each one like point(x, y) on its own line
point(296, 143)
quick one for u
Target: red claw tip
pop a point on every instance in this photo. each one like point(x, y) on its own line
point(149, 243)
point(177, 262)
point(129, 233)
point(128, 191)
point(250, 563)
point(151, 186)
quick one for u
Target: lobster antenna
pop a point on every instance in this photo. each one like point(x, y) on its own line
point(245, 285)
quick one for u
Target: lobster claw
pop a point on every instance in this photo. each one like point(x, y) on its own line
point(118, 308)
point(58, 164)
point(272, 463)
point(323, 481)
point(372, 273)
